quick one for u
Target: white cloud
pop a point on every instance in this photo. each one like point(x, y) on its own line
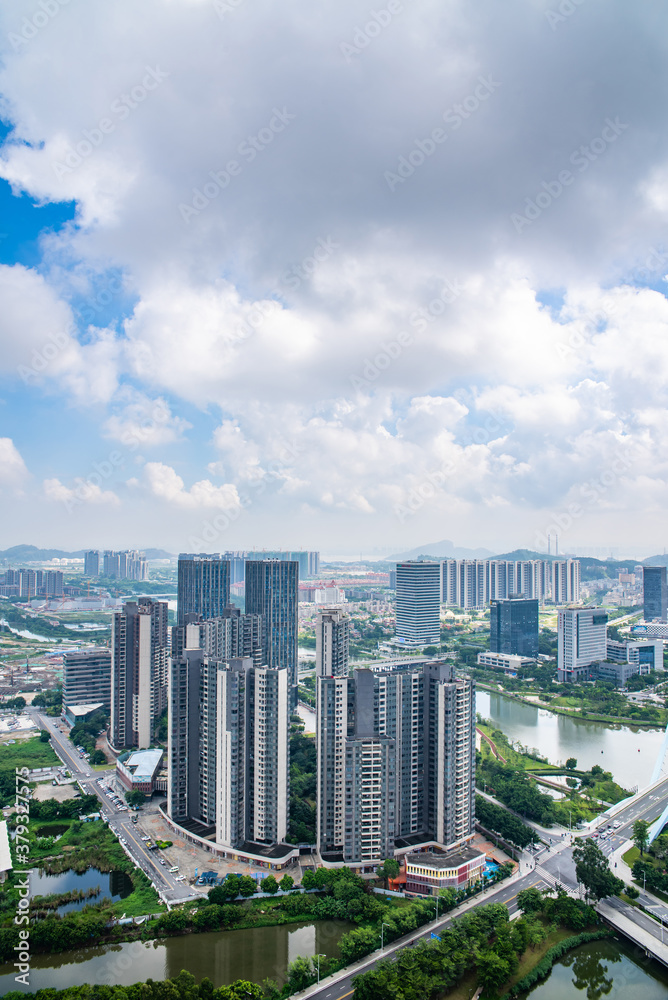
point(164, 482)
point(83, 492)
point(143, 422)
point(13, 471)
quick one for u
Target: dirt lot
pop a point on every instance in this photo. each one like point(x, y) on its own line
point(45, 790)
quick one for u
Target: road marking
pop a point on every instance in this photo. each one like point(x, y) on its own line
point(345, 994)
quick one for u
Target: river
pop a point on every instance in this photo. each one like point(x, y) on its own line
point(223, 956)
point(630, 754)
point(614, 969)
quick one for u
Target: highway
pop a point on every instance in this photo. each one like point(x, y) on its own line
point(91, 782)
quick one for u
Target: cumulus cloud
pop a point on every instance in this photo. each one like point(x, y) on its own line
point(164, 483)
point(346, 301)
point(83, 492)
point(13, 471)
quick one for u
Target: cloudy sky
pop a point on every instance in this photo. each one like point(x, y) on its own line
point(332, 276)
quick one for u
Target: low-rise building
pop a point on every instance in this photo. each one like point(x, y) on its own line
point(507, 662)
point(427, 873)
point(647, 654)
point(138, 771)
point(74, 714)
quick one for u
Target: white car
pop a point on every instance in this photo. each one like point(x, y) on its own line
point(180, 878)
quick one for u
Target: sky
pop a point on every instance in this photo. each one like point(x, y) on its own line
point(317, 276)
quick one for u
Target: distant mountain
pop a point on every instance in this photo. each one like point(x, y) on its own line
point(655, 561)
point(30, 553)
point(441, 550)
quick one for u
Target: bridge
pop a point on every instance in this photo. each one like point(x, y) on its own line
point(660, 771)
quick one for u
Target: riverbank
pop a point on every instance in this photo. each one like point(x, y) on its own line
point(585, 716)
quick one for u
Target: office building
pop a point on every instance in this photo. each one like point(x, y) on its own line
point(92, 563)
point(505, 662)
point(87, 677)
point(272, 590)
point(139, 672)
point(648, 655)
point(309, 562)
point(513, 626)
point(396, 761)
point(655, 593)
point(332, 632)
point(228, 752)
point(418, 604)
point(203, 586)
point(581, 642)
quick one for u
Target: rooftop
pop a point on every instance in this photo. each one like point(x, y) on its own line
point(453, 859)
point(142, 764)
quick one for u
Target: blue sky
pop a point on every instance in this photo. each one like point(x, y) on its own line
point(247, 335)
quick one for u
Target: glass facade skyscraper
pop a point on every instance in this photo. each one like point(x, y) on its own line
point(513, 627)
point(655, 593)
point(272, 590)
point(203, 586)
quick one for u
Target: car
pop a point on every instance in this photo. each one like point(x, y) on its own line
point(122, 840)
point(163, 862)
point(144, 837)
point(616, 825)
point(174, 868)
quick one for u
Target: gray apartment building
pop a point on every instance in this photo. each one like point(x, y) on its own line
point(203, 585)
point(396, 761)
point(332, 638)
point(140, 659)
point(87, 677)
point(228, 747)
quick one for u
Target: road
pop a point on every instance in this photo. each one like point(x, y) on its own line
point(92, 783)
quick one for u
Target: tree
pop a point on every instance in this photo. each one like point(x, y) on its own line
point(571, 763)
point(135, 798)
point(247, 885)
point(593, 872)
point(269, 884)
point(308, 879)
point(493, 971)
point(286, 883)
point(97, 757)
point(390, 868)
point(530, 900)
point(641, 835)
point(44, 736)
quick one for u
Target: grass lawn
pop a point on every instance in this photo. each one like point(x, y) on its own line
point(631, 856)
point(532, 956)
point(512, 756)
point(30, 753)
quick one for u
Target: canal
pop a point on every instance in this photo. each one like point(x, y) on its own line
point(222, 956)
point(628, 753)
point(612, 969)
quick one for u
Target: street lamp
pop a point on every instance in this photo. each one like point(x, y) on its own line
point(382, 940)
point(319, 957)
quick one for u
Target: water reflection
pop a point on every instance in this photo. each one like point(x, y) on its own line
point(589, 972)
